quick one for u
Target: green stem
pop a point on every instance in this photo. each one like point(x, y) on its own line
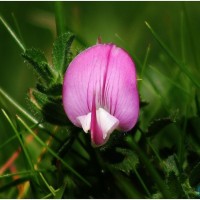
point(154, 150)
point(13, 34)
point(142, 183)
point(60, 24)
point(51, 189)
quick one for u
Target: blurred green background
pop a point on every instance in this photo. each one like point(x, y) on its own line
point(164, 84)
point(119, 22)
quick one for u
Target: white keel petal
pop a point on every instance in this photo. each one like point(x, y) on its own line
point(85, 122)
point(107, 123)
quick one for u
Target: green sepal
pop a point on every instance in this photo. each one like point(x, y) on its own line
point(37, 59)
point(61, 52)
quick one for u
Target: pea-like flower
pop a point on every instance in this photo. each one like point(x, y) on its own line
point(100, 92)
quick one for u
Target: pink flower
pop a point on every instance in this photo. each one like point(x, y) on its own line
point(100, 92)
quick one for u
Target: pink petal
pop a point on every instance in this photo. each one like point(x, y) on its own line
point(82, 78)
point(108, 73)
point(121, 92)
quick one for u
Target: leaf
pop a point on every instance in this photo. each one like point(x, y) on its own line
point(157, 125)
point(61, 49)
point(171, 165)
point(175, 177)
point(54, 113)
point(129, 163)
point(53, 90)
point(174, 185)
point(51, 108)
point(37, 59)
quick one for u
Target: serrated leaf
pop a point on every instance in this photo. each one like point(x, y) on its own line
point(174, 177)
point(174, 186)
point(61, 49)
point(171, 165)
point(37, 59)
point(157, 125)
point(129, 163)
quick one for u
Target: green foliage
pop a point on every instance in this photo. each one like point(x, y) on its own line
point(39, 62)
point(46, 100)
point(44, 156)
point(157, 125)
point(129, 162)
point(61, 52)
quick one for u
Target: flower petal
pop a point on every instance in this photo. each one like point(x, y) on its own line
point(107, 72)
point(85, 122)
point(120, 93)
point(84, 76)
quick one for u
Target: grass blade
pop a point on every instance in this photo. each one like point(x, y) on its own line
point(16, 105)
point(170, 80)
point(8, 141)
point(12, 34)
point(23, 173)
point(60, 25)
point(183, 68)
point(20, 140)
point(160, 183)
point(145, 61)
point(52, 152)
point(17, 27)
